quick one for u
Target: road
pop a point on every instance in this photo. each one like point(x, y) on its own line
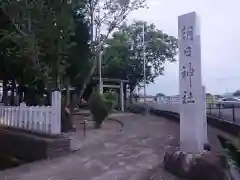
point(226, 114)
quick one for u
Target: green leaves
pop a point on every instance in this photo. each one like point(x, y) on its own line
point(101, 105)
point(121, 61)
point(43, 33)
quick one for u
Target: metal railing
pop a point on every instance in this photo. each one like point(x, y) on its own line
point(229, 113)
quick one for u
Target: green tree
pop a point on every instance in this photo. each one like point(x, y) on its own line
point(80, 58)
point(209, 94)
point(124, 57)
point(43, 34)
point(104, 17)
point(158, 95)
point(236, 93)
point(44, 31)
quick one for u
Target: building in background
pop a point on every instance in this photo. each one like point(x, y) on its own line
point(166, 99)
point(174, 98)
point(149, 98)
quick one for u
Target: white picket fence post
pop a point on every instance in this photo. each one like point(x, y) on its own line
point(44, 119)
point(56, 112)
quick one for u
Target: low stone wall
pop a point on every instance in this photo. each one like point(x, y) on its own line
point(31, 147)
point(221, 124)
point(169, 115)
point(226, 126)
point(134, 108)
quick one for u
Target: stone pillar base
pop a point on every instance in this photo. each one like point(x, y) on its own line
point(202, 166)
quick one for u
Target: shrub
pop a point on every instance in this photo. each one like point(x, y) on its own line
point(101, 105)
point(111, 98)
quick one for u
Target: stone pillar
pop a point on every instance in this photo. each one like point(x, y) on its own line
point(190, 84)
point(56, 113)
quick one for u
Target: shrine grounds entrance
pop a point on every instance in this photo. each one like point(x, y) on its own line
point(119, 85)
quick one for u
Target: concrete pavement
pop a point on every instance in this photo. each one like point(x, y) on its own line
point(135, 153)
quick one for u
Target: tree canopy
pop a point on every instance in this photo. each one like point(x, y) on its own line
point(160, 95)
point(41, 41)
point(104, 17)
point(236, 93)
point(53, 44)
point(47, 45)
point(123, 58)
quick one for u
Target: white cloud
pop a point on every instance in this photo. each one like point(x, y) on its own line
point(220, 41)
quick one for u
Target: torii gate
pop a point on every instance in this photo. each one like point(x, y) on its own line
point(120, 86)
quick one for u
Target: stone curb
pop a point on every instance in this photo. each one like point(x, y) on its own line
point(118, 121)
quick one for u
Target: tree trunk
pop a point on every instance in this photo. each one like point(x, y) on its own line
point(30, 97)
point(13, 87)
point(97, 125)
point(20, 93)
point(73, 100)
point(125, 95)
point(71, 105)
point(66, 118)
point(49, 98)
point(68, 98)
point(5, 93)
point(88, 78)
point(131, 92)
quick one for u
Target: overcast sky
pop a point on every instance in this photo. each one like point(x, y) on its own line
point(220, 28)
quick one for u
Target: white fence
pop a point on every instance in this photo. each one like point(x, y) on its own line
point(40, 119)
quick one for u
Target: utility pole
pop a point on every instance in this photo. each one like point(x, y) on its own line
point(100, 73)
point(144, 64)
point(144, 70)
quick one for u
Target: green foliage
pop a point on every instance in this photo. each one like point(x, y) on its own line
point(111, 98)
point(79, 55)
point(101, 105)
point(236, 93)
point(104, 17)
point(42, 31)
point(160, 95)
point(44, 44)
point(124, 57)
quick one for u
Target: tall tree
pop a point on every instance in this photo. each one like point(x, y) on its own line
point(124, 57)
point(44, 30)
point(80, 56)
point(44, 33)
point(104, 17)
